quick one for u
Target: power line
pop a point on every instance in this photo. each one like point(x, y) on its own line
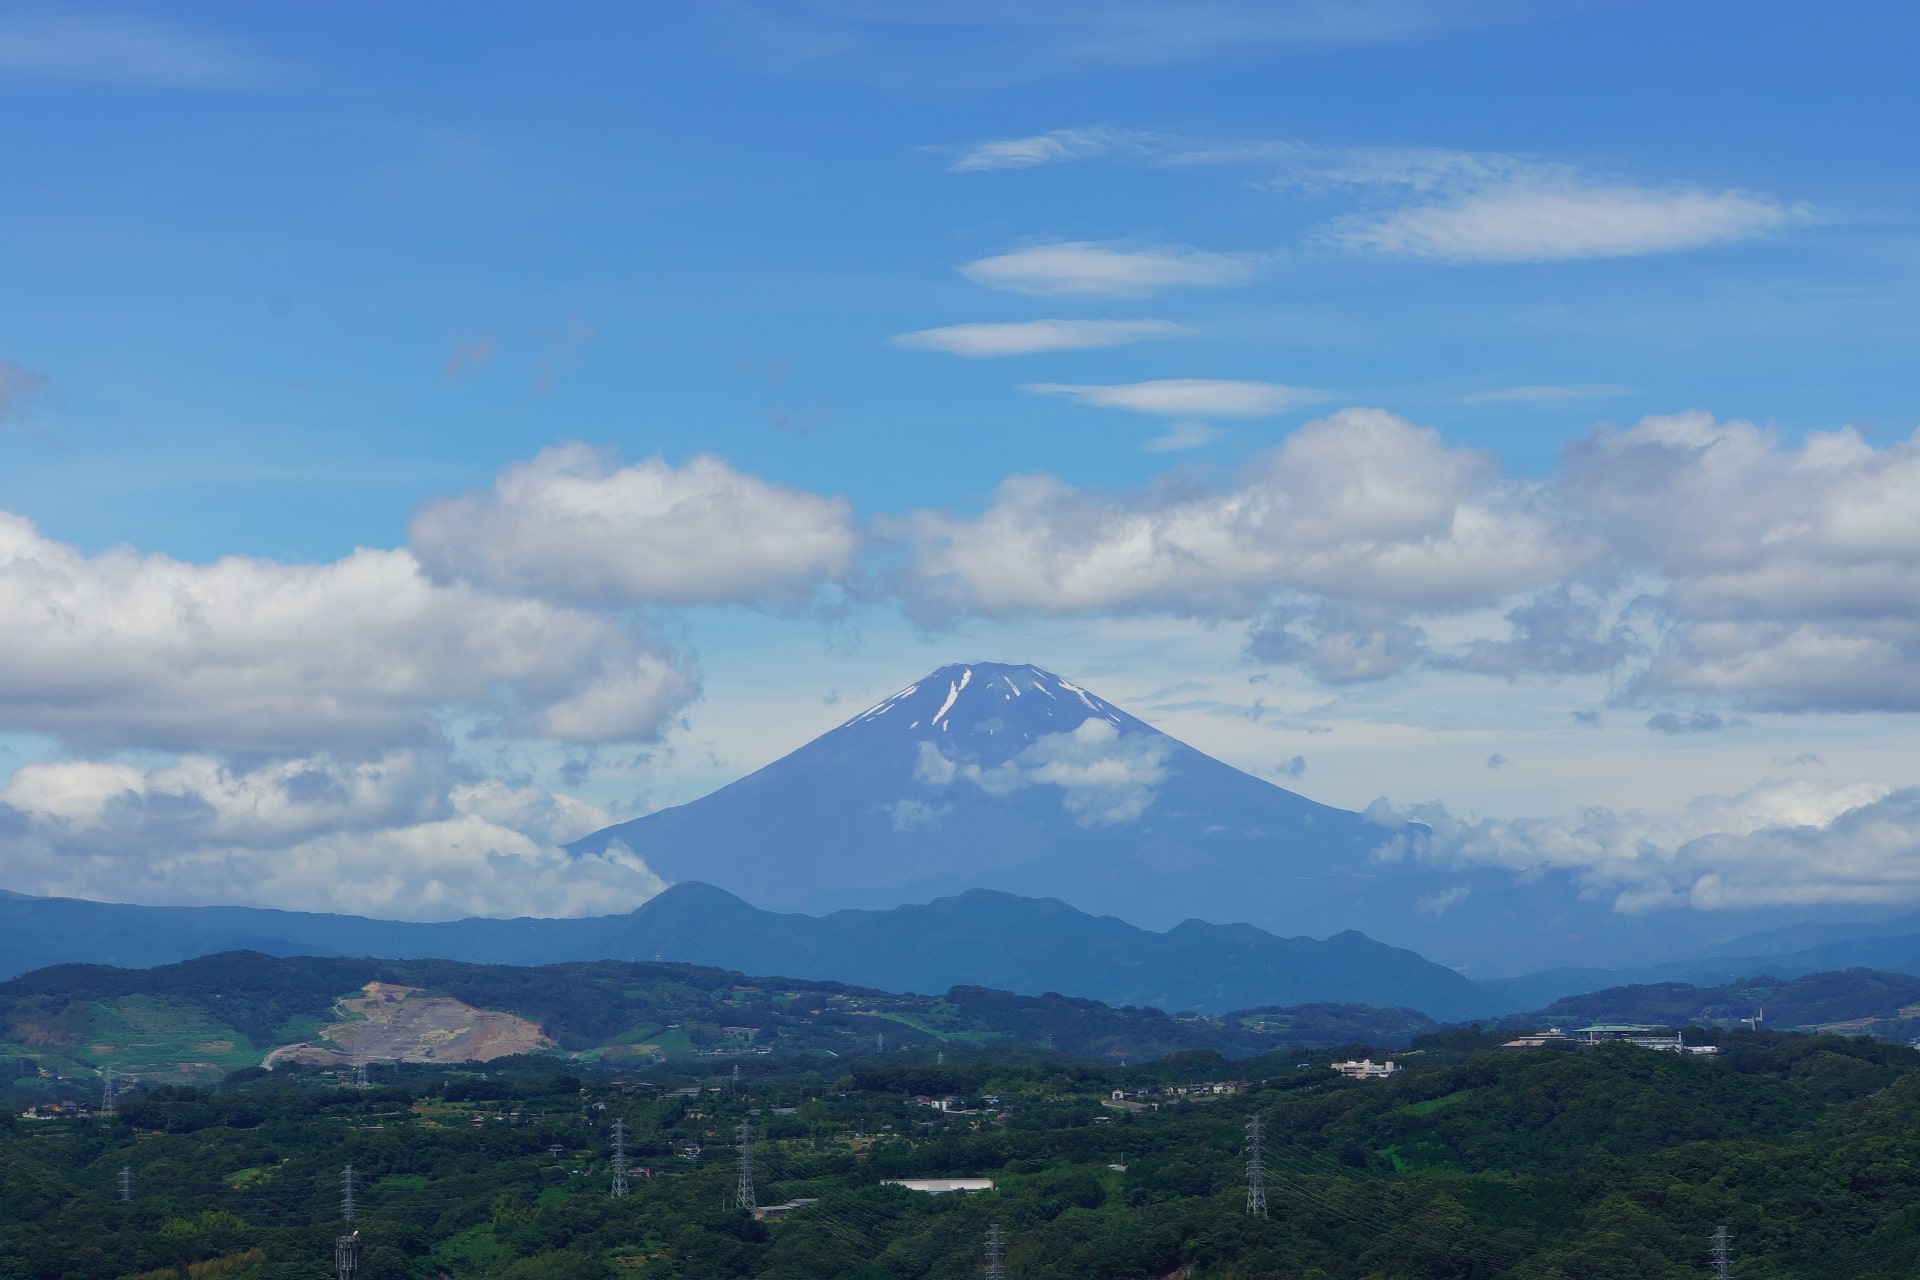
point(743, 1194)
point(619, 1157)
point(1256, 1171)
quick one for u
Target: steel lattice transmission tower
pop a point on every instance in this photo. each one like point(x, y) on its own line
point(996, 1254)
point(346, 1246)
point(1256, 1171)
point(109, 1095)
point(619, 1157)
point(743, 1194)
point(126, 1182)
point(1720, 1253)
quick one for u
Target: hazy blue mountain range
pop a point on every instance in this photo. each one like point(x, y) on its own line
point(980, 938)
point(1011, 778)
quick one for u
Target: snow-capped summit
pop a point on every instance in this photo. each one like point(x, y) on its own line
point(987, 775)
point(989, 709)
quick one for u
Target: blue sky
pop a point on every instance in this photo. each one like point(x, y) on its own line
point(357, 369)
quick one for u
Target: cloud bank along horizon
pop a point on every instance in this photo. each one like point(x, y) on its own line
point(309, 709)
point(1129, 380)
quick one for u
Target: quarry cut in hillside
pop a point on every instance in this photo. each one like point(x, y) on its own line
point(391, 1023)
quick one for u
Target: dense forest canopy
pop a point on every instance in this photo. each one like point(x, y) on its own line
point(1468, 1162)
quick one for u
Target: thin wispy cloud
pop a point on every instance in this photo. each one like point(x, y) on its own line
point(1184, 397)
point(1052, 148)
point(1083, 268)
point(1182, 436)
point(1530, 222)
point(1463, 206)
point(120, 50)
point(1550, 393)
point(1026, 337)
point(19, 386)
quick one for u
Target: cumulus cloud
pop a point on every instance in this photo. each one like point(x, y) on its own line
point(1359, 506)
point(1026, 337)
point(259, 657)
point(1105, 777)
point(1083, 268)
point(1181, 397)
point(1788, 577)
point(570, 525)
point(1791, 842)
point(394, 837)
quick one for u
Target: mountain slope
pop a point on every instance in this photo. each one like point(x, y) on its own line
point(980, 938)
point(1009, 777)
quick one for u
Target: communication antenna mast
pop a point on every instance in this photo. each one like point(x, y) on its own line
point(743, 1194)
point(996, 1254)
point(1256, 1171)
point(619, 1157)
point(346, 1255)
point(1720, 1253)
point(346, 1246)
point(126, 1182)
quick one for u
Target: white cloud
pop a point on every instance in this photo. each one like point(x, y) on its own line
point(119, 50)
point(1788, 578)
point(1181, 436)
point(395, 837)
point(572, 526)
point(1180, 397)
point(1360, 505)
point(1790, 842)
point(1532, 221)
point(1464, 206)
point(1048, 148)
point(1550, 393)
point(255, 656)
point(1105, 777)
point(1026, 337)
point(1084, 269)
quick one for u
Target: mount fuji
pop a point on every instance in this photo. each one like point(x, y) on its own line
point(1011, 778)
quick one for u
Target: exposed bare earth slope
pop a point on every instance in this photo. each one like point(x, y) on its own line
point(391, 1022)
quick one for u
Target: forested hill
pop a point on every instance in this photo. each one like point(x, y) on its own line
point(201, 1018)
point(1467, 1164)
point(1854, 1000)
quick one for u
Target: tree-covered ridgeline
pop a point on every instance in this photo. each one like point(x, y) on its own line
point(1470, 1162)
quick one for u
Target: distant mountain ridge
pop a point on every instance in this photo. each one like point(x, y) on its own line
point(980, 938)
point(1012, 778)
